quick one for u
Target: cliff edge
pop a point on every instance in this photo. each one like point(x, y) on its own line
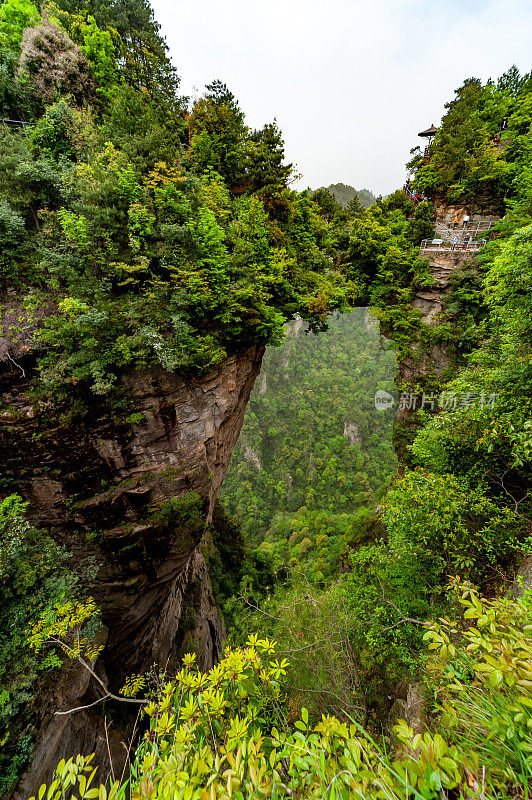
point(130, 499)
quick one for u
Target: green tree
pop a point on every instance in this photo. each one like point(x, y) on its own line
point(216, 132)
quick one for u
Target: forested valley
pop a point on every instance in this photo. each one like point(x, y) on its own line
point(315, 456)
point(342, 611)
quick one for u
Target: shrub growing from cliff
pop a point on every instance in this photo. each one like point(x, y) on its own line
point(225, 733)
point(150, 267)
point(448, 527)
point(33, 576)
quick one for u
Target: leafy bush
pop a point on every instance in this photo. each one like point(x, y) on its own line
point(54, 132)
point(482, 676)
point(224, 734)
point(449, 526)
point(11, 227)
point(33, 576)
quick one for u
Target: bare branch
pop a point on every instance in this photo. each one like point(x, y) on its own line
point(517, 503)
point(82, 708)
point(109, 695)
point(17, 365)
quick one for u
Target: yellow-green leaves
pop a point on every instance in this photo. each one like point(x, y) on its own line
point(219, 735)
point(133, 685)
point(62, 625)
point(75, 779)
point(483, 678)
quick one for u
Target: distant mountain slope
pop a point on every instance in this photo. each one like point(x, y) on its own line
point(343, 194)
point(312, 440)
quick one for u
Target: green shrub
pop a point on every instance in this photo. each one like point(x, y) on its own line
point(482, 677)
point(33, 576)
point(11, 227)
point(224, 734)
point(449, 526)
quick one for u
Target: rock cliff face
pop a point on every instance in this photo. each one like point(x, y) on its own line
point(117, 495)
point(482, 209)
point(429, 301)
point(423, 365)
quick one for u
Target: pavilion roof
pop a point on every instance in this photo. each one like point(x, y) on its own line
point(429, 132)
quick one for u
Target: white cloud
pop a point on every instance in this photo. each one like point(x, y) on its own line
point(351, 83)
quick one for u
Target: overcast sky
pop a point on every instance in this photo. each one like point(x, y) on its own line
point(351, 83)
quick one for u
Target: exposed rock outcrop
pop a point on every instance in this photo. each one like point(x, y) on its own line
point(411, 707)
point(371, 323)
point(352, 432)
point(523, 579)
point(482, 209)
point(114, 492)
point(429, 301)
point(252, 457)
point(263, 388)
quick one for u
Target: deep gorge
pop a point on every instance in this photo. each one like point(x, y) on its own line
point(147, 575)
point(367, 582)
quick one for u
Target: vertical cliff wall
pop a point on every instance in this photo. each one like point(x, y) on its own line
point(426, 362)
point(117, 494)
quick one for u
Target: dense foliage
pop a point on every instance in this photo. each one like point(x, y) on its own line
point(33, 576)
point(313, 449)
point(353, 640)
point(482, 149)
point(136, 229)
point(489, 443)
point(143, 230)
point(344, 194)
point(463, 504)
point(227, 733)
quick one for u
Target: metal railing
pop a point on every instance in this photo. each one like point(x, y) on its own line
point(471, 229)
point(448, 246)
point(413, 196)
point(16, 124)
